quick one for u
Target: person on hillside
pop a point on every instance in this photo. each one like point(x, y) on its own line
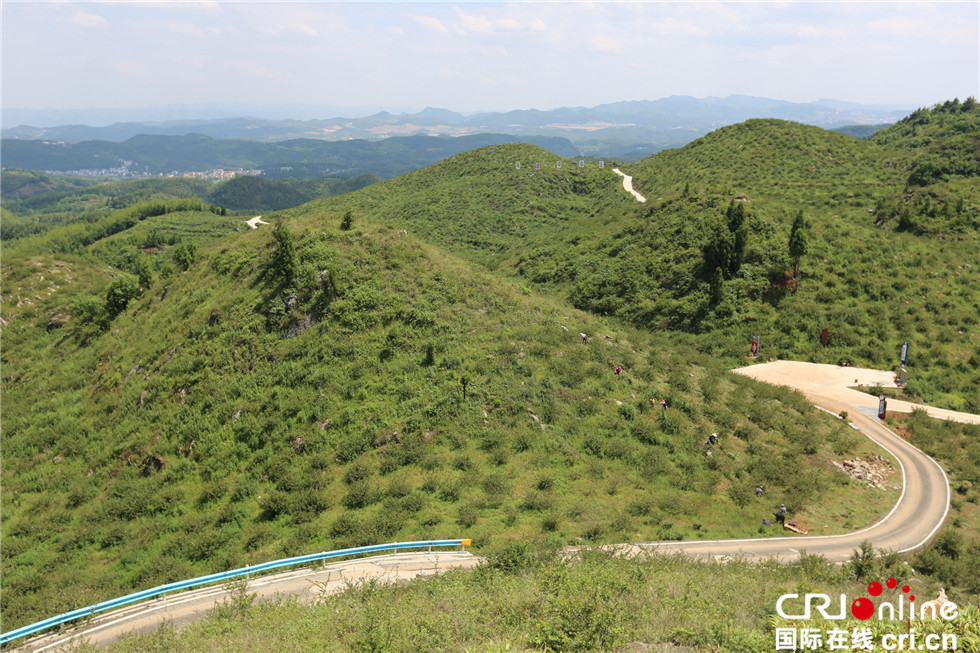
point(663, 404)
point(781, 514)
point(759, 491)
point(619, 368)
point(585, 338)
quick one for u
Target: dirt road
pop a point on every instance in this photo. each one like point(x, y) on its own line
point(628, 185)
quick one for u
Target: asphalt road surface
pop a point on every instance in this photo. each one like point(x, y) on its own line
point(915, 519)
point(307, 584)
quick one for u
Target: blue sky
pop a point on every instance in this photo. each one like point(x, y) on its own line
point(483, 56)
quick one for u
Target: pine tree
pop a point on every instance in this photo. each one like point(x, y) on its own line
point(348, 221)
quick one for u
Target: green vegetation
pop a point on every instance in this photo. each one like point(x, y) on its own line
point(35, 203)
point(385, 390)
point(954, 556)
point(183, 394)
point(528, 600)
point(871, 279)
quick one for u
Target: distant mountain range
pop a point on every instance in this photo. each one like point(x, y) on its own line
point(634, 128)
point(147, 155)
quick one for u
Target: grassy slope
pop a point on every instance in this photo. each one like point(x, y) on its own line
point(193, 436)
point(597, 603)
point(217, 518)
point(480, 205)
point(871, 283)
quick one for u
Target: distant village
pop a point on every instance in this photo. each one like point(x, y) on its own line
point(218, 174)
point(127, 171)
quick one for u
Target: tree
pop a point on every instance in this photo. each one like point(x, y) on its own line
point(797, 242)
point(283, 264)
point(184, 256)
point(740, 230)
point(119, 292)
point(348, 221)
point(90, 316)
point(143, 271)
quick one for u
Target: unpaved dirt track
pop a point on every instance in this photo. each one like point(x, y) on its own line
point(915, 519)
point(628, 185)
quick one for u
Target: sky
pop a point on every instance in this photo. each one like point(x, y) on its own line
point(483, 56)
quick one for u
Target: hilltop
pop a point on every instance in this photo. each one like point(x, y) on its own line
point(884, 264)
point(307, 387)
point(183, 395)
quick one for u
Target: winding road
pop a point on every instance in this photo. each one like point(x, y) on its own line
point(307, 584)
point(914, 520)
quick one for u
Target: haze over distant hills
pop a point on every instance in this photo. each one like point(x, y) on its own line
point(620, 128)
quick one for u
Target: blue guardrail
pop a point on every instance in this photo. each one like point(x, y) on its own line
point(224, 575)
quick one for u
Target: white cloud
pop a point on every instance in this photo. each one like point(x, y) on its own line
point(432, 23)
point(604, 43)
point(83, 19)
point(187, 29)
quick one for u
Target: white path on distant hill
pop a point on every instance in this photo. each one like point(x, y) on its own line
point(628, 185)
point(255, 222)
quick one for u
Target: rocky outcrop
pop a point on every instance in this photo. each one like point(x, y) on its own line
point(874, 470)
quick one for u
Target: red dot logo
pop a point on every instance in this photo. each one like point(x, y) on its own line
point(891, 583)
point(874, 589)
point(862, 609)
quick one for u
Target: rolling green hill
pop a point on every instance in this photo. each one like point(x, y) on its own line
point(231, 396)
point(367, 387)
point(869, 278)
point(35, 203)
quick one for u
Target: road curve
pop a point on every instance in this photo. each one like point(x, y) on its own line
point(913, 521)
point(307, 584)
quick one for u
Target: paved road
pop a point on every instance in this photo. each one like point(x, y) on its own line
point(307, 584)
point(915, 519)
